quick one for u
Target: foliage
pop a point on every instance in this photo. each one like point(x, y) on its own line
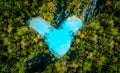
point(96, 48)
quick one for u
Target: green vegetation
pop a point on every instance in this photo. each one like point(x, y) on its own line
point(96, 47)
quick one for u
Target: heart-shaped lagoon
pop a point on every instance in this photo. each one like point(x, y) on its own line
point(58, 40)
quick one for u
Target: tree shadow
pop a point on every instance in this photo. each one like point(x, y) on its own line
point(38, 63)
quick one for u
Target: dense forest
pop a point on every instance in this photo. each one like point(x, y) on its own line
point(95, 49)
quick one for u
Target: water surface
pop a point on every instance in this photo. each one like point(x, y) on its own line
point(58, 40)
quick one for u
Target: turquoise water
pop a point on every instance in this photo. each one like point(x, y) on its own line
point(58, 40)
